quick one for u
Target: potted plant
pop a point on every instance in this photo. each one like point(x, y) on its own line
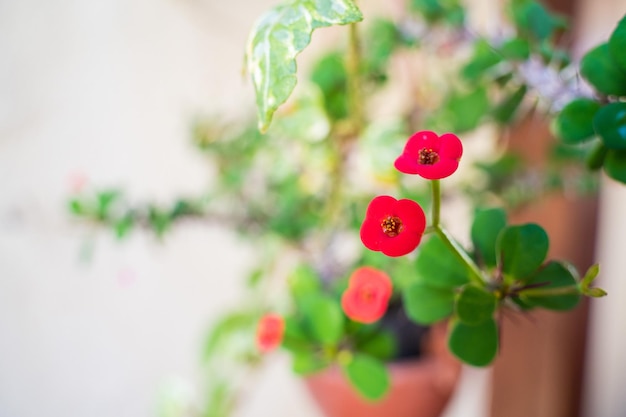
point(346, 207)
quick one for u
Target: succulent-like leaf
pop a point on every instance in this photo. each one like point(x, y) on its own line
point(521, 250)
point(485, 230)
point(474, 345)
point(426, 304)
point(475, 305)
point(278, 37)
point(368, 375)
point(575, 122)
point(554, 275)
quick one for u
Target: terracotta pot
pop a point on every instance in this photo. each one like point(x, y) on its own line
point(419, 388)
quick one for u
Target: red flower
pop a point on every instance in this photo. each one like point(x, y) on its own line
point(430, 156)
point(393, 227)
point(367, 295)
point(269, 333)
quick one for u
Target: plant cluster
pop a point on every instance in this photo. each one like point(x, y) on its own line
point(325, 187)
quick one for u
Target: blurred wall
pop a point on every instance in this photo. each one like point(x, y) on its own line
point(108, 89)
point(606, 362)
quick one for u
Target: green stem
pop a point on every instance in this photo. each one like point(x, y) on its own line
point(436, 204)
point(475, 275)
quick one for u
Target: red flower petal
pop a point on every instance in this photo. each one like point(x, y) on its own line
point(367, 296)
point(395, 240)
point(448, 149)
point(420, 140)
point(450, 146)
point(401, 245)
point(270, 331)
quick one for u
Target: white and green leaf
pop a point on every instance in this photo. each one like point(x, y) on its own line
point(278, 37)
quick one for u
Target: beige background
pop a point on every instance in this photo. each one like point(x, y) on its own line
point(108, 88)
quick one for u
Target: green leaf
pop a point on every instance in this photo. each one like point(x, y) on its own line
point(123, 226)
point(485, 229)
point(278, 37)
point(305, 363)
point(595, 292)
point(437, 266)
point(515, 49)
point(617, 44)
point(226, 329)
point(590, 276)
point(556, 275)
point(324, 317)
point(535, 20)
point(483, 58)
point(596, 156)
point(521, 250)
point(76, 207)
point(368, 375)
point(467, 110)
point(304, 281)
point(425, 304)
point(475, 305)
point(381, 39)
point(474, 345)
point(599, 68)
point(574, 123)
point(504, 111)
point(329, 73)
point(615, 165)
point(610, 124)
point(381, 345)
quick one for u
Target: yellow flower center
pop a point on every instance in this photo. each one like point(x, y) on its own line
point(392, 226)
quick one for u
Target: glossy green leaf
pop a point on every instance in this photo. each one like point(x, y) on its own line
point(278, 37)
point(617, 44)
point(437, 266)
point(474, 345)
point(599, 68)
point(615, 165)
point(425, 304)
point(324, 317)
point(521, 250)
point(610, 124)
point(485, 230)
point(554, 275)
point(595, 158)
point(475, 305)
point(574, 124)
point(368, 375)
